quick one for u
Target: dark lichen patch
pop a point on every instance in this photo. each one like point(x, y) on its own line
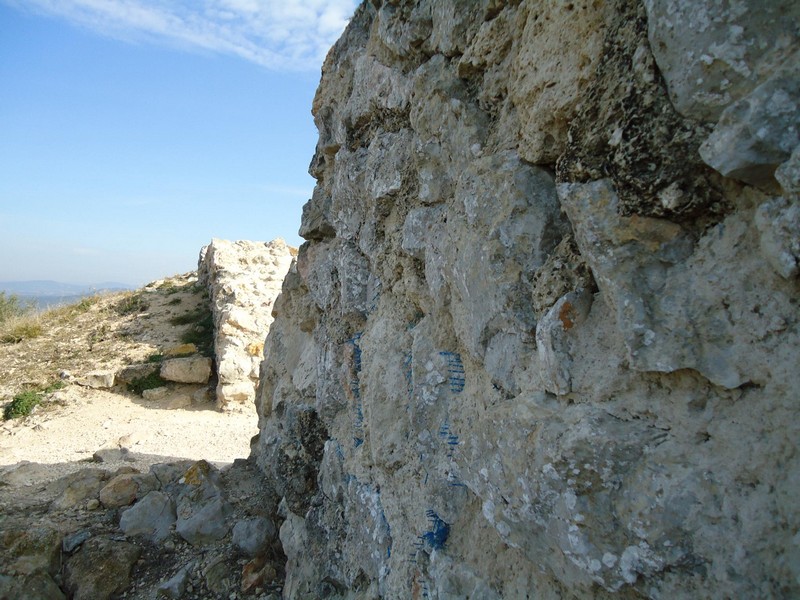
point(627, 130)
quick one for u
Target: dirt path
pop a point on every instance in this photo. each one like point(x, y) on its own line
point(74, 423)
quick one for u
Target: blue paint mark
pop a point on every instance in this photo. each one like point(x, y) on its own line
point(407, 371)
point(455, 371)
point(452, 439)
point(376, 295)
point(439, 531)
point(454, 481)
point(452, 443)
point(355, 389)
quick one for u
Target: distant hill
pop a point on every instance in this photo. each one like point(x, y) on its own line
point(46, 293)
point(57, 288)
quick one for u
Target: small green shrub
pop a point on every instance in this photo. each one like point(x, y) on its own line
point(174, 302)
point(189, 318)
point(24, 402)
point(10, 306)
point(21, 405)
point(135, 303)
point(148, 382)
point(56, 385)
point(84, 304)
point(201, 335)
point(201, 332)
point(155, 358)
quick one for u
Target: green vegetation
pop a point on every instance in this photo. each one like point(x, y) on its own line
point(170, 288)
point(148, 382)
point(133, 303)
point(155, 358)
point(201, 332)
point(10, 306)
point(70, 311)
point(174, 302)
point(17, 321)
point(189, 318)
point(24, 402)
point(21, 405)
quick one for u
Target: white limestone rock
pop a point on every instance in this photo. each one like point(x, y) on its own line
point(99, 380)
point(243, 279)
point(191, 369)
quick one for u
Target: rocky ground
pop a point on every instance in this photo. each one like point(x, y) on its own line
point(97, 498)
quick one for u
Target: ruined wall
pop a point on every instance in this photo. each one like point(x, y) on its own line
point(543, 338)
point(243, 278)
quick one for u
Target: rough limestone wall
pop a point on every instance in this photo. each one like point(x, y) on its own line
point(543, 338)
point(243, 279)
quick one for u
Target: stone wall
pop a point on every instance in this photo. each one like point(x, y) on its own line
point(243, 279)
point(542, 340)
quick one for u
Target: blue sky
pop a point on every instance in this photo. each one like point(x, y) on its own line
point(134, 131)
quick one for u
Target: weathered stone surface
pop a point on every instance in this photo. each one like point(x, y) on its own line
point(788, 174)
point(253, 536)
point(255, 573)
point(39, 586)
point(125, 489)
point(487, 380)
point(218, 575)
point(243, 279)
point(175, 587)
point(192, 369)
point(759, 132)
point(174, 398)
point(778, 222)
point(712, 54)
point(553, 340)
point(100, 380)
point(101, 569)
point(180, 349)
point(32, 550)
point(113, 455)
point(74, 540)
point(74, 489)
point(156, 394)
point(133, 372)
point(152, 516)
point(202, 509)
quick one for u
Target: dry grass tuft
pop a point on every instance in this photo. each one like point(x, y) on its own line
point(21, 327)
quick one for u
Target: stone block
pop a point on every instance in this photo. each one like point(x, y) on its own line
point(193, 369)
point(126, 488)
point(100, 380)
point(152, 516)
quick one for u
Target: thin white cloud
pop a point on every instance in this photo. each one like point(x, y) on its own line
point(277, 34)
